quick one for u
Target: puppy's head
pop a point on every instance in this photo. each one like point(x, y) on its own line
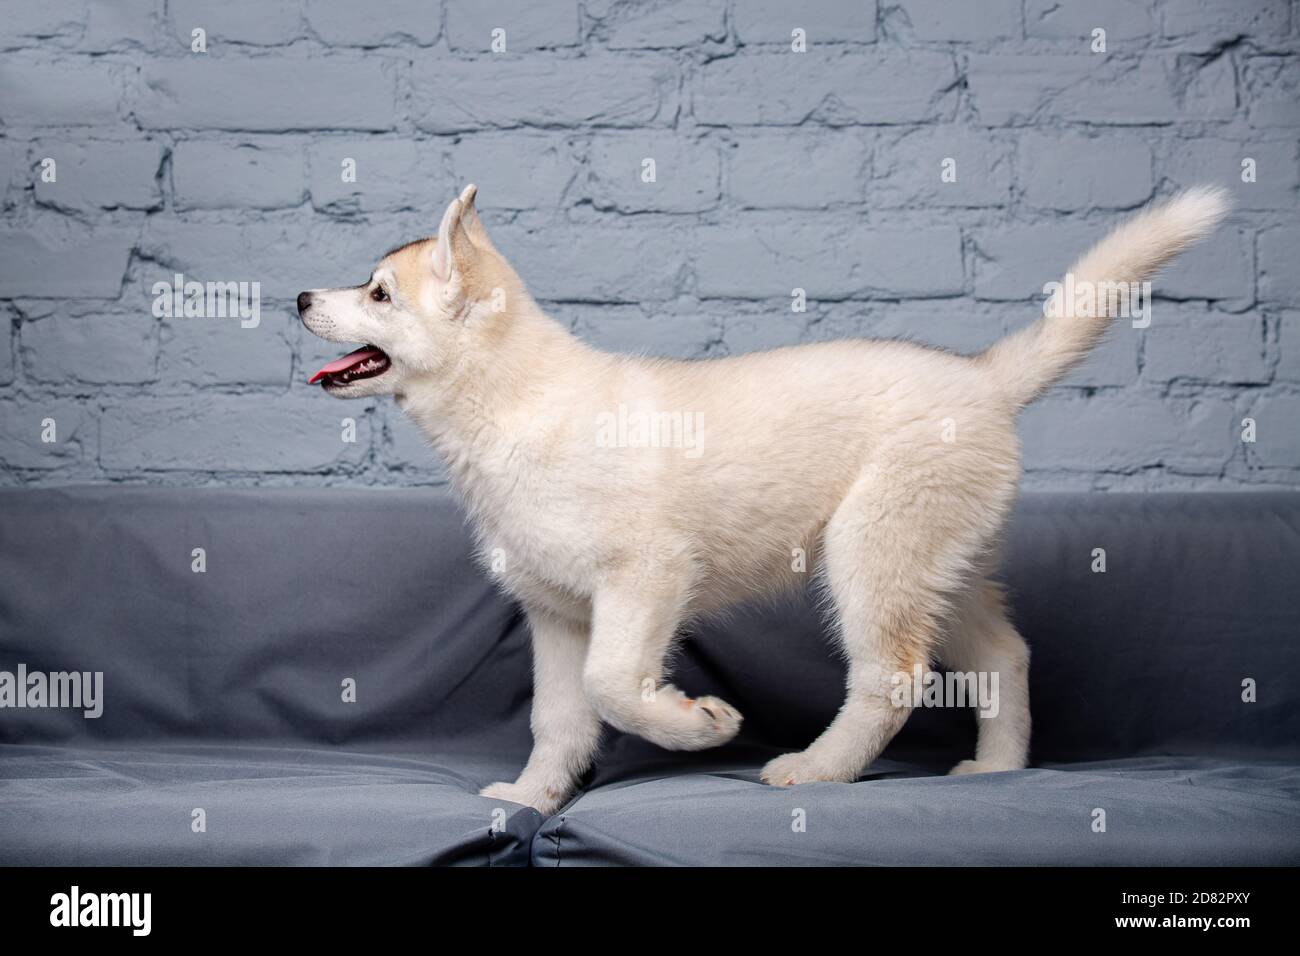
point(412, 314)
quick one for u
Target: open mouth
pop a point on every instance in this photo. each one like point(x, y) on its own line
point(366, 362)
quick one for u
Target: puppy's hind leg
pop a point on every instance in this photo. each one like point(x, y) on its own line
point(983, 641)
point(890, 559)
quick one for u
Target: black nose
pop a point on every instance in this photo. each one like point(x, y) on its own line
point(304, 300)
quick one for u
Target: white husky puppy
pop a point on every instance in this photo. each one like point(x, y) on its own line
point(620, 497)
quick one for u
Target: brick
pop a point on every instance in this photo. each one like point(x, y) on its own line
point(666, 330)
point(1272, 91)
point(238, 21)
point(1288, 342)
point(909, 170)
point(514, 170)
point(1121, 19)
point(210, 174)
point(21, 427)
point(27, 24)
point(80, 265)
point(355, 24)
point(285, 257)
point(199, 91)
point(804, 170)
point(1208, 88)
point(825, 21)
point(239, 433)
point(778, 89)
point(956, 327)
point(1277, 440)
point(826, 260)
point(538, 24)
point(390, 174)
point(1279, 265)
point(1219, 267)
point(1219, 161)
point(595, 263)
point(1208, 24)
point(219, 252)
point(1126, 431)
point(63, 93)
point(102, 175)
point(1012, 89)
point(98, 349)
point(1113, 363)
point(459, 95)
point(635, 24)
point(1014, 262)
point(941, 20)
point(687, 173)
point(1071, 171)
point(829, 320)
point(1191, 344)
point(7, 364)
point(122, 24)
point(85, 24)
point(744, 332)
point(1015, 89)
point(219, 351)
point(14, 170)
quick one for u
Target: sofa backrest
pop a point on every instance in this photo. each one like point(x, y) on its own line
point(301, 591)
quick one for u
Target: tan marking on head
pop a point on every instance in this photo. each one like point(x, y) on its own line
point(410, 267)
point(481, 268)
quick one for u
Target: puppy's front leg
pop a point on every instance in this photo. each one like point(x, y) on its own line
point(566, 729)
point(633, 623)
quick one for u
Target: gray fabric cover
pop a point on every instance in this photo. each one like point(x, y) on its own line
point(223, 692)
point(1159, 811)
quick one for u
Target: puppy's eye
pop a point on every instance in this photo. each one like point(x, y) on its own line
point(379, 295)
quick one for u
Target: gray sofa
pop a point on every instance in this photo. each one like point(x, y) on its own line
point(223, 693)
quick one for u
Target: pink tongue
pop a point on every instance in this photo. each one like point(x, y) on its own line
point(346, 362)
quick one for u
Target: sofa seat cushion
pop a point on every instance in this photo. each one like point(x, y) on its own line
point(264, 805)
point(1159, 810)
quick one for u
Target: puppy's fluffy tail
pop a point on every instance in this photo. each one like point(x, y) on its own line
point(1025, 363)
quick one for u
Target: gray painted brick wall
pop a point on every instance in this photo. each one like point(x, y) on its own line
point(775, 169)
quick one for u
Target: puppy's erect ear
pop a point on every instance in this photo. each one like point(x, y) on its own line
point(453, 244)
point(470, 220)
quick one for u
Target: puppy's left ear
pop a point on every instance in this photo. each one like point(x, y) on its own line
point(470, 221)
point(452, 251)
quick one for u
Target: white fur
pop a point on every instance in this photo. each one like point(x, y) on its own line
point(892, 466)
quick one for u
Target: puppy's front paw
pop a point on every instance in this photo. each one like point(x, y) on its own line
point(545, 800)
point(709, 722)
point(724, 720)
point(801, 767)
